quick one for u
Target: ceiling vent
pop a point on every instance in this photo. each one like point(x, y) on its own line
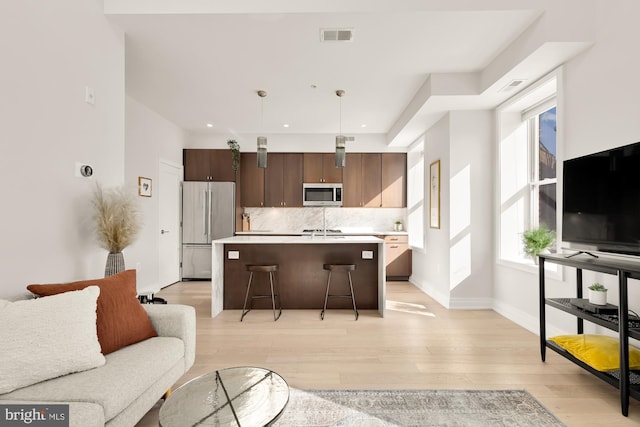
point(350, 138)
point(336, 34)
point(512, 85)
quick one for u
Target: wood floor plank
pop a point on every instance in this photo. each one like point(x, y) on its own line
point(418, 345)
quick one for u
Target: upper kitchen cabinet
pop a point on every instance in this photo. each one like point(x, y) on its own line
point(321, 167)
point(252, 180)
point(362, 180)
point(208, 165)
point(283, 180)
point(394, 180)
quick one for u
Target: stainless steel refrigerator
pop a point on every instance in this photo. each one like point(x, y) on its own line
point(208, 213)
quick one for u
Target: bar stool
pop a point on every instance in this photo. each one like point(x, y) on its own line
point(271, 269)
point(339, 267)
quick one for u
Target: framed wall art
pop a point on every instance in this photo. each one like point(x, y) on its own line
point(434, 194)
point(144, 186)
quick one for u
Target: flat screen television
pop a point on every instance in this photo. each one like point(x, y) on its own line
point(601, 201)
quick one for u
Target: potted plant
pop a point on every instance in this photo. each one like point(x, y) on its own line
point(235, 153)
point(397, 226)
point(537, 240)
point(597, 294)
point(117, 222)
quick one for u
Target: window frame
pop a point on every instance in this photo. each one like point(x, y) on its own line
point(539, 97)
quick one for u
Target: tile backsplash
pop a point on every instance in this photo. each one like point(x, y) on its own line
point(294, 220)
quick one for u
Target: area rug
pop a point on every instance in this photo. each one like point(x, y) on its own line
point(372, 408)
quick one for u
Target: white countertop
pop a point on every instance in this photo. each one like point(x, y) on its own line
point(344, 233)
point(293, 240)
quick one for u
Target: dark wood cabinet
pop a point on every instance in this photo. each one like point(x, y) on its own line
point(321, 167)
point(371, 180)
point(398, 257)
point(283, 180)
point(208, 165)
point(251, 181)
point(362, 180)
point(394, 180)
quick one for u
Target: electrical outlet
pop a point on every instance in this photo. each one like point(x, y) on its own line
point(367, 254)
point(233, 255)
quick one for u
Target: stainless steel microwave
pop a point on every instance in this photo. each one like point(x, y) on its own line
point(317, 194)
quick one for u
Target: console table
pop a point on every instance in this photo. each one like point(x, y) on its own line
point(624, 269)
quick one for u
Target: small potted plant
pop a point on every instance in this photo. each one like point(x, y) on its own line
point(537, 240)
point(397, 226)
point(597, 294)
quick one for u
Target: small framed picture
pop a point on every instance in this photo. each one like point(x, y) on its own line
point(434, 194)
point(144, 186)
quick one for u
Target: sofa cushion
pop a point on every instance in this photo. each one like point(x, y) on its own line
point(121, 319)
point(125, 376)
point(48, 337)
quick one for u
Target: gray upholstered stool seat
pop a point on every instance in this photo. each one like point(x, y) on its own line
point(339, 267)
point(275, 294)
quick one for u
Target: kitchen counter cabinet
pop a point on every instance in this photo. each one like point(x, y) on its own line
point(398, 257)
point(321, 167)
point(251, 181)
point(301, 278)
point(208, 165)
point(283, 180)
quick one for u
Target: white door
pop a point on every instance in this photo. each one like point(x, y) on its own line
point(169, 223)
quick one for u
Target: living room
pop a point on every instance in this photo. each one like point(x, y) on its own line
point(52, 52)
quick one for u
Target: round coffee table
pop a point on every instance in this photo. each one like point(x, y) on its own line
point(242, 396)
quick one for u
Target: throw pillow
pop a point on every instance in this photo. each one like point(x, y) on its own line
point(48, 337)
point(601, 352)
point(121, 319)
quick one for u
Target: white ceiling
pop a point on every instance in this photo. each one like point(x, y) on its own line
point(198, 68)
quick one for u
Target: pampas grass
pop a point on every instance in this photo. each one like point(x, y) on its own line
point(117, 217)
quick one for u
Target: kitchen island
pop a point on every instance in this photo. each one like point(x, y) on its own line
point(301, 278)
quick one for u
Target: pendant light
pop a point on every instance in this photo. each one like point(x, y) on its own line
point(262, 140)
point(340, 138)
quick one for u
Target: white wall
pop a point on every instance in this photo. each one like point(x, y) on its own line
point(600, 108)
point(150, 138)
point(456, 267)
point(431, 267)
point(471, 209)
point(50, 52)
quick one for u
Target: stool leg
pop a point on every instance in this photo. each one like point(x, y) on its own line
point(326, 297)
point(273, 299)
point(353, 297)
point(246, 297)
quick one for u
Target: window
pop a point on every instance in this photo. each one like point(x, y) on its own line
point(528, 147)
point(415, 195)
point(543, 166)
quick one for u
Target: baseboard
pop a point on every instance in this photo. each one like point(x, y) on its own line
point(523, 319)
point(471, 303)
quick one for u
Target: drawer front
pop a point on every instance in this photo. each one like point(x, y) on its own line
point(396, 239)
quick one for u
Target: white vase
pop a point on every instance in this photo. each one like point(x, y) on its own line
point(598, 297)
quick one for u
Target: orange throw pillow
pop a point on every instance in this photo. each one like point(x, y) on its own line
point(121, 320)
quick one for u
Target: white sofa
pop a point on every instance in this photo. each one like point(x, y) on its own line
point(132, 380)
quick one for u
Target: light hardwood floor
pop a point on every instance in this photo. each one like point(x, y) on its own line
point(417, 345)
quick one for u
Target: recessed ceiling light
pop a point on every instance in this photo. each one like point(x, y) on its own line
point(286, 125)
point(209, 125)
point(364, 125)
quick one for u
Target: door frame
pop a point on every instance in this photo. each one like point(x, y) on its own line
point(180, 168)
